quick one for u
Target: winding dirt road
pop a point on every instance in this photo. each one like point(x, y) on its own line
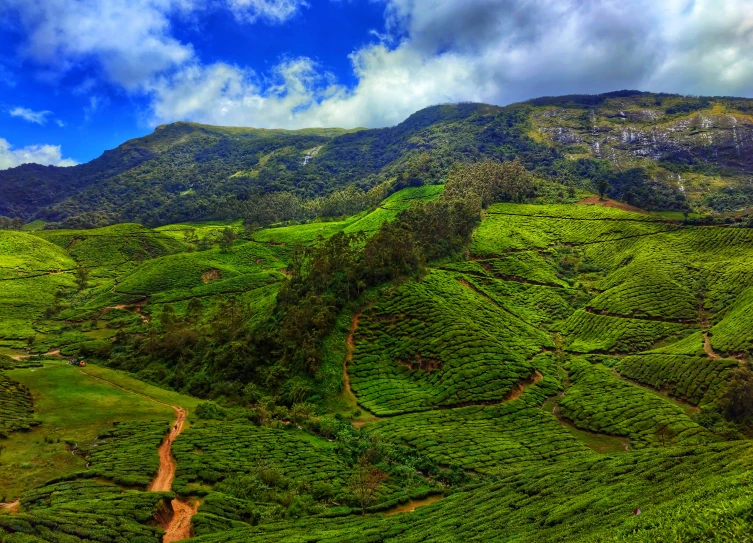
point(708, 348)
point(179, 526)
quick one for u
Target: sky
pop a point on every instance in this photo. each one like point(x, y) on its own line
point(78, 77)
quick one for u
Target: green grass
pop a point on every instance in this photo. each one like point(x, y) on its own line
point(560, 365)
point(696, 379)
point(82, 511)
point(74, 407)
point(582, 500)
point(106, 249)
point(32, 271)
point(178, 277)
point(303, 234)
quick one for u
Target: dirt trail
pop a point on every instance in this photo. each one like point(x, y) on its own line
point(179, 527)
point(163, 482)
point(53, 352)
point(412, 505)
point(595, 200)
point(708, 348)
point(136, 308)
point(13, 507)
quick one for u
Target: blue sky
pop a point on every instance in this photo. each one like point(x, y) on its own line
point(78, 77)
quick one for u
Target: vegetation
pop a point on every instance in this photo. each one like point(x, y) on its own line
point(510, 368)
point(189, 172)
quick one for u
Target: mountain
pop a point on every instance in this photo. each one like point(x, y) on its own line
point(656, 151)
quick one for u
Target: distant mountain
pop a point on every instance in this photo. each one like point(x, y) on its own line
point(657, 151)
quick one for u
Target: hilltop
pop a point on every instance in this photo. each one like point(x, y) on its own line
point(655, 151)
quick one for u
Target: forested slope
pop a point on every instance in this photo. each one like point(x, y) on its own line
point(655, 151)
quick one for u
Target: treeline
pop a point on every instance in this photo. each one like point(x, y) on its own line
point(284, 206)
point(6, 223)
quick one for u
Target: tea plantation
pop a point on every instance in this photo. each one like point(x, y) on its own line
point(569, 367)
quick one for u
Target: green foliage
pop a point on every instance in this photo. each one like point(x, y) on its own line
point(579, 500)
point(186, 171)
point(82, 511)
point(414, 351)
point(16, 406)
point(491, 181)
point(127, 454)
point(737, 400)
point(600, 401)
point(698, 379)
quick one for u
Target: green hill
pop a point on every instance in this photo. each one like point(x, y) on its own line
point(655, 151)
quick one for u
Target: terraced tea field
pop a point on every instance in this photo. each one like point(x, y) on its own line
point(569, 368)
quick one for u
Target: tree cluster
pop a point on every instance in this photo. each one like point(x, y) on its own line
point(491, 181)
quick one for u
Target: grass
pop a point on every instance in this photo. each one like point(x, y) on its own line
point(414, 350)
point(74, 407)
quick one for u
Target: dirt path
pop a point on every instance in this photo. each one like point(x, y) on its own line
point(595, 200)
point(53, 352)
point(163, 482)
point(708, 348)
point(13, 507)
point(179, 527)
point(412, 505)
point(136, 308)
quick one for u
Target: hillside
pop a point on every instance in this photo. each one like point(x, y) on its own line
point(655, 151)
point(424, 370)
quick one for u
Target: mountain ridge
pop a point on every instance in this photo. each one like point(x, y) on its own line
point(658, 151)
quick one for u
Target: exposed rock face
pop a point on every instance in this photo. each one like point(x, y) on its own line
point(619, 132)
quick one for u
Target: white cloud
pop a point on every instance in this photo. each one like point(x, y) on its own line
point(39, 154)
point(37, 117)
point(274, 11)
point(131, 41)
point(429, 51)
point(497, 51)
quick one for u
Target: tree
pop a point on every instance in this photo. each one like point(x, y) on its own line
point(365, 482)
point(664, 434)
point(737, 400)
point(490, 180)
point(602, 185)
point(82, 277)
point(227, 239)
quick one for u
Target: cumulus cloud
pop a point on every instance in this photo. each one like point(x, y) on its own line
point(429, 51)
point(497, 51)
point(37, 117)
point(131, 41)
point(39, 154)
